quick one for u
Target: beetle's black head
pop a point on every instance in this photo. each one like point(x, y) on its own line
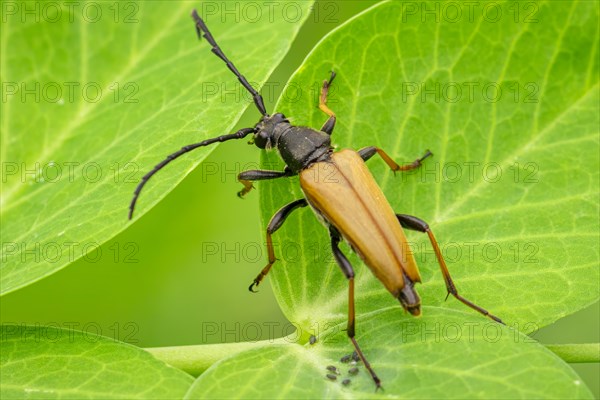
point(268, 130)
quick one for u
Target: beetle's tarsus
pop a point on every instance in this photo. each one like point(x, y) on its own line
point(327, 83)
point(418, 162)
point(247, 188)
point(331, 78)
point(427, 154)
point(253, 285)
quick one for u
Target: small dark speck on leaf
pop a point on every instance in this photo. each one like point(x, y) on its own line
point(333, 369)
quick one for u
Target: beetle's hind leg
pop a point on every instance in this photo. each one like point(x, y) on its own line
point(368, 152)
point(330, 123)
point(416, 224)
point(246, 178)
point(346, 267)
point(275, 223)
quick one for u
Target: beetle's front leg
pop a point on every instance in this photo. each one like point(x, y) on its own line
point(417, 224)
point(346, 267)
point(370, 151)
point(330, 123)
point(247, 177)
point(275, 223)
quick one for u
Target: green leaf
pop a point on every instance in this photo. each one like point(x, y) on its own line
point(48, 362)
point(577, 353)
point(522, 245)
point(459, 358)
point(72, 155)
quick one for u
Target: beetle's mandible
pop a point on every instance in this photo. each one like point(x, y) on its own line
point(342, 193)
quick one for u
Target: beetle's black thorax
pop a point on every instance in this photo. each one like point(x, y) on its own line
point(300, 146)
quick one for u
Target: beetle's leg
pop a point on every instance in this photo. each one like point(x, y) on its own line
point(247, 177)
point(416, 224)
point(275, 223)
point(368, 152)
point(346, 267)
point(330, 124)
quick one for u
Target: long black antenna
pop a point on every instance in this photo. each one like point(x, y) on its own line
point(238, 135)
point(202, 30)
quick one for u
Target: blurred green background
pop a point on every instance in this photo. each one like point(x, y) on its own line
point(179, 275)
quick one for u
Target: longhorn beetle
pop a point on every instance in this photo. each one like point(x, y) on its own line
point(342, 193)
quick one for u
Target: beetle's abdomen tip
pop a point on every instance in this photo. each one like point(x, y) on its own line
point(409, 299)
point(415, 311)
point(414, 308)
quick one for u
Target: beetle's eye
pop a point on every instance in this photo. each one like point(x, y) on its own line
point(262, 140)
